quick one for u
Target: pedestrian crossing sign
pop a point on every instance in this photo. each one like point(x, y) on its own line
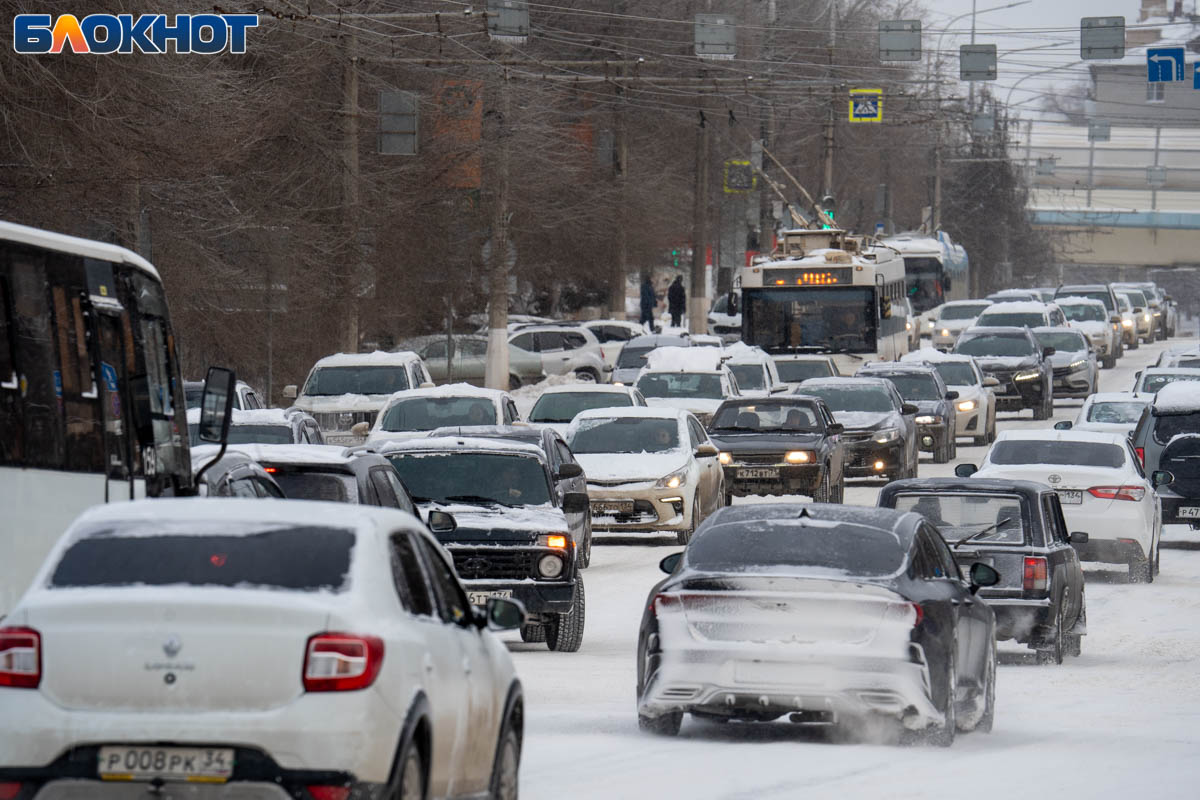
point(866, 105)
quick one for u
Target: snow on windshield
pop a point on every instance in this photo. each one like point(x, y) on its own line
point(1000, 345)
point(329, 381)
point(852, 398)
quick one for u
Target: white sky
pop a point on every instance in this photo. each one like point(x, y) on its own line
point(1035, 24)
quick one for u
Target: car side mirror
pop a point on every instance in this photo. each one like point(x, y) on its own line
point(1065, 425)
point(442, 522)
point(1160, 477)
point(1137, 374)
point(216, 405)
point(908, 409)
point(965, 470)
point(671, 563)
point(1168, 299)
point(780, 389)
point(575, 502)
point(982, 575)
point(568, 471)
point(706, 450)
point(1078, 537)
point(427, 385)
point(951, 395)
point(990, 381)
point(289, 392)
point(835, 428)
point(1047, 352)
point(504, 614)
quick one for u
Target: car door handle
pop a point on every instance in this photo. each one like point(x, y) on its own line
point(427, 662)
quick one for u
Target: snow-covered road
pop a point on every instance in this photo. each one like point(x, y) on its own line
point(1122, 721)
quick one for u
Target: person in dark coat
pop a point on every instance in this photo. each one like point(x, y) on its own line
point(676, 300)
point(649, 301)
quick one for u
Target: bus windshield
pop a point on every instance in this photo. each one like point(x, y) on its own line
point(923, 282)
point(836, 319)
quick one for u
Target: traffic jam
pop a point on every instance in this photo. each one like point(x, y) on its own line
point(820, 530)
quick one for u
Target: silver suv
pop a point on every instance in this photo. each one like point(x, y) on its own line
point(564, 349)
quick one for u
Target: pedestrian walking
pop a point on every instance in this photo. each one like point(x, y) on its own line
point(676, 300)
point(649, 301)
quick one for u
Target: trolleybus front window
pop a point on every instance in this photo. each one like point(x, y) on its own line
point(834, 319)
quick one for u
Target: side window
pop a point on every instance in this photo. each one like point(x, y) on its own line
point(525, 342)
point(451, 601)
point(314, 433)
point(242, 487)
point(638, 398)
point(252, 400)
point(383, 488)
point(267, 489)
point(919, 565)
point(435, 350)
point(573, 341)
point(1131, 454)
point(941, 551)
point(565, 456)
point(403, 498)
point(549, 340)
point(696, 432)
point(411, 585)
point(1051, 514)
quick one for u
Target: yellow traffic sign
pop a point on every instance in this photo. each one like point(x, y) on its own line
point(866, 105)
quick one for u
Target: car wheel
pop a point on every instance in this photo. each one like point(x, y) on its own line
point(585, 552)
point(943, 735)
point(505, 784)
point(587, 375)
point(1108, 362)
point(1054, 653)
point(564, 632)
point(1133, 343)
point(533, 633)
point(412, 776)
point(728, 497)
point(982, 440)
point(840, 497)
point(1158, 556)
point(989, 694)
point(666, 725)
point(941, 453)
point(684, 536)
point(953, 446)
point(1141, 571)
point(821, 494)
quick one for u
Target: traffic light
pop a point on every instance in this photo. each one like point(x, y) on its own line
point(675, 256)
point(829, 206)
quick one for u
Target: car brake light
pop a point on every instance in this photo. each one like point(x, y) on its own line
point(329, 792)
point(664, 602)
point(9, 790)
point(1141, 454)
point(341, 662)
point(20, 658)
point(906, 612)
point(271, 470)
point(1133, 493)
point(1035, 577)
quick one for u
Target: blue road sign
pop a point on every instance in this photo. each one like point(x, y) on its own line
point(1196, 77)
point(1164, 64)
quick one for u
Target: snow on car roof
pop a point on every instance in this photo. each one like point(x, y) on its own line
point(684, 359)
point(742, 353)
point(456, 443)
point(843, 380)
point(1119, 397)
point(930, 355)
point(658, 340)
point(979, 302)
point(259, 416)
point(295, 453)
point(648, 412)
point(801, 357)
point(1177, 398)
point(1052, 435)
point(449, 390)
point(1017, 307)
point(1076, 300)
point(587, 388)
point(379, 358)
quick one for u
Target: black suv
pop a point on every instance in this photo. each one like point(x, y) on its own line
point(493, 505)
point(923, 386)
point(1015, 358)
point(1017, 528)
point(332, 473)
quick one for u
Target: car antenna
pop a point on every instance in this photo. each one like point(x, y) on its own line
point(803, 513)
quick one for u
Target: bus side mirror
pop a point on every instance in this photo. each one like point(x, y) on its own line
point(216, 405)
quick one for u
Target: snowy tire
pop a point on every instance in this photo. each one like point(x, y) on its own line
point(666, 725)
point(533, 633)
point(564, 632)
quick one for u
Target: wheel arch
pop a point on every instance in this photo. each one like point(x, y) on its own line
point(417, 728)
point(512, 718)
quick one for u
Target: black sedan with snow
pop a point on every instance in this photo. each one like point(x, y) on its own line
point(824, 614)
point(781, 445)
point(922, 386)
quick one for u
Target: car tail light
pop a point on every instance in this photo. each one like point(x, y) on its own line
point(1134, 493)
point(329, 792)
point(1141, 454)
point(1035, 577)
point(9, 791)
point(20, 658)
point(667, 603)
point(341, 662)
point(905, 612)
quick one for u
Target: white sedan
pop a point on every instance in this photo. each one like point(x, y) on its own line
point(236, 648)
point(975, 408)
point(1109, 412)
point(558, 405)
point(1101, 487)
point(415, 412)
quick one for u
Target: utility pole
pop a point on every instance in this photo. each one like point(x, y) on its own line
point(766, 219)
point(697, 300)
point(616, 292)
point(829, 121)
point(350, 192)
point(496, 370)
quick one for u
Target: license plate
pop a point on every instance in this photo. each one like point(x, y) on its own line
point(481, 598)
point(191, 764)
point(342, 438)
point(1189, 512)
point(613, 507)
point(1071, 497)
point(758, 472)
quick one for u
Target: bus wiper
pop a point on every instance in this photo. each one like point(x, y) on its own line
point(988, 529)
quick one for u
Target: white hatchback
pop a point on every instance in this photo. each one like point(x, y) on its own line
point(1101, 486)
point(255, 650)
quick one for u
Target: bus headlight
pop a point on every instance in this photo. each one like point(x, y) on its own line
point(966, 405)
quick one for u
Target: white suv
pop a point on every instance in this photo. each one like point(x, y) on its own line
point(565, 349)
point(283, 649)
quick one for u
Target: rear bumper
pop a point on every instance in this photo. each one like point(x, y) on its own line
point(349, 733)
point(1026, 621)
point(791, 479)
point(1173, 509)
point(1110, 551)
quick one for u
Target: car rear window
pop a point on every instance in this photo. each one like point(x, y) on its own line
point(1068, 453)
point(984, 518)
point(1002, 319)
point(962, 312)
point(1169, 426)
point(335, 487)
point(299, 558)
point(814, 545)
point(797, 371)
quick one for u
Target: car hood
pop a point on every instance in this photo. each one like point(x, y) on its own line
point(1090, 327)
point(1006, 362)
point(1064, 359)
point(329, 404)
point(770, 442)
point(928, 406)
point(866, 420)
point(630, 467)
point(481, 524)
point(696, 405)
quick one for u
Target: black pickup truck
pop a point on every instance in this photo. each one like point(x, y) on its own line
point(1017, 528)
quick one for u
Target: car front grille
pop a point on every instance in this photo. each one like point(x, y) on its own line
point(767, 459)
point(852, 437)
point(494, 563)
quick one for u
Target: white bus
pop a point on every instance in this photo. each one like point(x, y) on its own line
point(91, 400)
point(936, 269)
point(827, 293)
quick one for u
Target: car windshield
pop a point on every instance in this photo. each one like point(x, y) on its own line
point(914, 386)
point(957, 516)
point(335, 487)
point(632, 357)
point(259, 434)
point(1068, 453)
point(192, 396)
point(820, 546)
point(962, 312)
point(625, 435)
point(957, 373)
point(563, 407)
point(1083, 313)
point(797, 371)
point(700, 385)
point(356, 380)
point(427, 413)
point(1091, 294)
point(852, 398)
point(749, 376)
point(1000, 345)
point(1169, 426)
point(1187, 362)
point(1117, 413)
point(300, 558)
point(463, 476)
point(1012, 319)
point(1062, 341)
point(1152, 382)
point(768, 415)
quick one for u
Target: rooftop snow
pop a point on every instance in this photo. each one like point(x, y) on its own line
point(379, 358)
point(648, 412)
point(684, 359)
point(929, 355)
point(1076, 300)
point(1016, 307)
point(458, 443)
point(1050, 434)
point(449, 390)
point(587, 388)
point(294, 453)
point(1180, 397)
point(259, 416)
